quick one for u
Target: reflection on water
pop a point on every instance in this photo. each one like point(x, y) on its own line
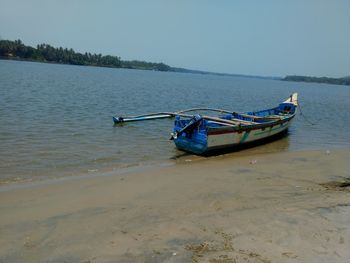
point(56, 120)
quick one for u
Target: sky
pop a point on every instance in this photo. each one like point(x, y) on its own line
point(265, 38)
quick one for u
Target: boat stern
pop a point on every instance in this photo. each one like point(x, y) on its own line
point(192, 140)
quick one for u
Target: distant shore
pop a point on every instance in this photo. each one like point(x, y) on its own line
point(281, 207)
point(335, 81)
point(44, 53)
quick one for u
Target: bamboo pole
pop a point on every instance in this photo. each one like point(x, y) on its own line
point(161, 115)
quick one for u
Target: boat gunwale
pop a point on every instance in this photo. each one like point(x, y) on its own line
point(242, 128)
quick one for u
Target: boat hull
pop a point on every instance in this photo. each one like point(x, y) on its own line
point(200, 135)
point(222, 138)
point(229, 138)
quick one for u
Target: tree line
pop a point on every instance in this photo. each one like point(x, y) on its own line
point(47, 53)
point(336, 81)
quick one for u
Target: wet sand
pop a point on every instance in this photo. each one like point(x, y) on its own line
point(288, 207)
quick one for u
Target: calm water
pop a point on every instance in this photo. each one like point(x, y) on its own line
point(56, 120)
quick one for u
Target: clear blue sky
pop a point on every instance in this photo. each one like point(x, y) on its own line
point(269, 38)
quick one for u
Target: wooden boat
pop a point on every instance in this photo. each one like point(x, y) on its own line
point(201, 134)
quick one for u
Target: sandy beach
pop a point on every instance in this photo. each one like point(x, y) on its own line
point(288, 207)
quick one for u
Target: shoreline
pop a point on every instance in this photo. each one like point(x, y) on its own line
point(274, 207)
point(12, 182)
point(9, 184)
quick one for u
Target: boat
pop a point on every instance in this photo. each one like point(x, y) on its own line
point(201, 134)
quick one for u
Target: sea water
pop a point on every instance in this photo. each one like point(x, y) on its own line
point(56, 120)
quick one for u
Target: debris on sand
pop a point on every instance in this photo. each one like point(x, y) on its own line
point(343, 185)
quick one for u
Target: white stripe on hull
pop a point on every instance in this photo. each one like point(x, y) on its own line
point(226, 139)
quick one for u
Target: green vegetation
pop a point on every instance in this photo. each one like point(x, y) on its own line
point(336, 81)
point(46, 53)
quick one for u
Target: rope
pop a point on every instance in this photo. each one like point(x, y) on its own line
point(302, 114)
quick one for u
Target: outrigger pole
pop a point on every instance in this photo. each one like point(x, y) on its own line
point(152, 116)
point(163, 115)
